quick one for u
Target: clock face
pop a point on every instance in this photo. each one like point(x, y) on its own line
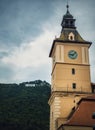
point(72, 54)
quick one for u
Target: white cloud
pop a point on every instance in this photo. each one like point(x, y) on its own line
point(32, 57)
point(31, 54)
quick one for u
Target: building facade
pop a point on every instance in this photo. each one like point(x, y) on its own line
point(70, 74)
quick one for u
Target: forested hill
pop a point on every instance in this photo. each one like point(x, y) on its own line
point(24, 106)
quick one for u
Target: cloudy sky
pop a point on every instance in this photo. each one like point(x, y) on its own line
point(27, 29)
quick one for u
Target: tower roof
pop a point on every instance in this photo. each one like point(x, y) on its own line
point(67, 15)
point(68, 21)
point(69, 34)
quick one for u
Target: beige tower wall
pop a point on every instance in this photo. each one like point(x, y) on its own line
point(61, 105)
point(63, 78)
point(63, 96)
point(54, 112)
point(60, 53)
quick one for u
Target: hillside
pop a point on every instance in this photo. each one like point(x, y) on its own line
point(24, 106)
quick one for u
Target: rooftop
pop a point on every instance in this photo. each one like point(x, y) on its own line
point(83, 114)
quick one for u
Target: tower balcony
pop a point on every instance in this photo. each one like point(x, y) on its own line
point(71, 89)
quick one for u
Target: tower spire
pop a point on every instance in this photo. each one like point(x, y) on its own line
point(68, 21)
point(67, 6)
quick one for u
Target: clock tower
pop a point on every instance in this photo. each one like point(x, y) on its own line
point(70, 72)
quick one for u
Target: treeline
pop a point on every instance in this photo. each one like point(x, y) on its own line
point(24, 108)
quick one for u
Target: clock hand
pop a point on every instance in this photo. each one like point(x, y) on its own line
point(71, 54)
point(74, 53)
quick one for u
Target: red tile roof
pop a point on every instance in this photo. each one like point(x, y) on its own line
point(83, 114)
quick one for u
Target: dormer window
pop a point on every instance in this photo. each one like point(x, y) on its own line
point(71, 36)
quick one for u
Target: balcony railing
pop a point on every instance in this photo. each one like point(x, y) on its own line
point(70, 89)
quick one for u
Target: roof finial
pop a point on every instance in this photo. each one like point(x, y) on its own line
point(67, 5)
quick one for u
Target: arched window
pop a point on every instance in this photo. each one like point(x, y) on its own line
point(74, 85)
point(73, 71)
point(71, 37)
